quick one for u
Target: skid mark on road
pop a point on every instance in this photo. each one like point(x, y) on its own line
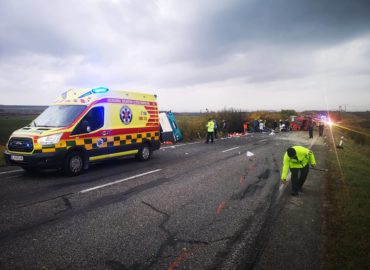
point(67, 204)
point(65, 215)
point(264, 175)
point(47, 200)
point(253, 187)
point(250, 190)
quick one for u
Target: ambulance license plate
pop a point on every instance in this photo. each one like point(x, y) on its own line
point(16, 158)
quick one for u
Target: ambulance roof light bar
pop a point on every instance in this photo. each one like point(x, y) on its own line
point(98, 90)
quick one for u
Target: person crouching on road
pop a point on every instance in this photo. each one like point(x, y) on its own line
point(210, 130)
point(297, 159)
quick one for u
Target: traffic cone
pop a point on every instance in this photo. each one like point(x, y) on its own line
point(340, 145)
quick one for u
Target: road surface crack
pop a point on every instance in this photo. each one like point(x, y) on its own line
point(171, 239)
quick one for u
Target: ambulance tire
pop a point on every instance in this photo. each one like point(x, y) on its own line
point(145, 152)
point(73, 164)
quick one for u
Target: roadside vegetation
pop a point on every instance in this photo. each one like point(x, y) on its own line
point(9, 123)
point(193, 126)
point(348, 195)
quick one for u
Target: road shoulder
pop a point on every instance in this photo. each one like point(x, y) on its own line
point(294, 238)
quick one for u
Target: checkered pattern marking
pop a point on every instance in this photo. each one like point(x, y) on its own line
point(91, 143)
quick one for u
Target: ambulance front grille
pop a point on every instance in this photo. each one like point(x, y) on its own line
point(20, 145)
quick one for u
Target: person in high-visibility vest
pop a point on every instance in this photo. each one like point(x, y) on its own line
point(210, 130)
point(297, 159)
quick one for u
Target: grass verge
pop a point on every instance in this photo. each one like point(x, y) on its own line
point(9, 123)
point(347, 206)
point(2, 161)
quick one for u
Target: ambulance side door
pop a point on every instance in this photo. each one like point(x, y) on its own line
point(91, 130)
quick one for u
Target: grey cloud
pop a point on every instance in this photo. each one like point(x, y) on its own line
point(180, 44)
point(302, 23)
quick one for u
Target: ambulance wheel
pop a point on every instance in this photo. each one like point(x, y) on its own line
point(145, 152)
point(73, 164)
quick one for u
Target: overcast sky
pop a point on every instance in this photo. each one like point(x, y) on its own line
point(194, 54)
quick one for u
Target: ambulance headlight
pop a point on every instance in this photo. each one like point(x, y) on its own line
point(48, 140)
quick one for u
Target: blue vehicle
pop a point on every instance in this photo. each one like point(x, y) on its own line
point(169, 128)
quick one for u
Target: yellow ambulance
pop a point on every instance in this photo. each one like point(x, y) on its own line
point(84, 126)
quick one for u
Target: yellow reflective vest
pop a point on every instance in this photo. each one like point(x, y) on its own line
point(304, 155)
point(211, 126)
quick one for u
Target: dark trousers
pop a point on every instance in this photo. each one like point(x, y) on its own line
point(209, 135)
point(321, 130)
point(299, 176)
point(310, 132)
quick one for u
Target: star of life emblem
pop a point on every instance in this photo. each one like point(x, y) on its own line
point(126, 115)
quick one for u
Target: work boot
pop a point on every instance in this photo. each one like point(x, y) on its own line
point(294, 193)
point(300, 190)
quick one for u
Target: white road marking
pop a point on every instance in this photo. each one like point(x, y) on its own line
point(11, 171)
point(119, 181)
point(230, 149)
point(263, 140)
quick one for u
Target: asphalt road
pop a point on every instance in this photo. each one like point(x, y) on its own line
point(192, 206)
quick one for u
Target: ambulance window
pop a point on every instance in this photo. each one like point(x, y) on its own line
point(92, 121)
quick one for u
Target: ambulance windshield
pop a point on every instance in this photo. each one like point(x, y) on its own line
point(58, 116)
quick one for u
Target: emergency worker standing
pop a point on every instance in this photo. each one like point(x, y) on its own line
point(310, 129)
point(224, 128)
point(297, 159)
point(215, 128)
point(321, 128)
point(210, 130)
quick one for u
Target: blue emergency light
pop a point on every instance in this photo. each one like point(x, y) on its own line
point(100, 90)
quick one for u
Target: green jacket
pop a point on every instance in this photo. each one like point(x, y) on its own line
point(211, 126)
point(304, 155)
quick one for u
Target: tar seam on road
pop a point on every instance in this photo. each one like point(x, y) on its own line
point(184, 144)
point(11, 171)
point(230, 149)
point(179, 145)
point(14, 176)
point(119, 181)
